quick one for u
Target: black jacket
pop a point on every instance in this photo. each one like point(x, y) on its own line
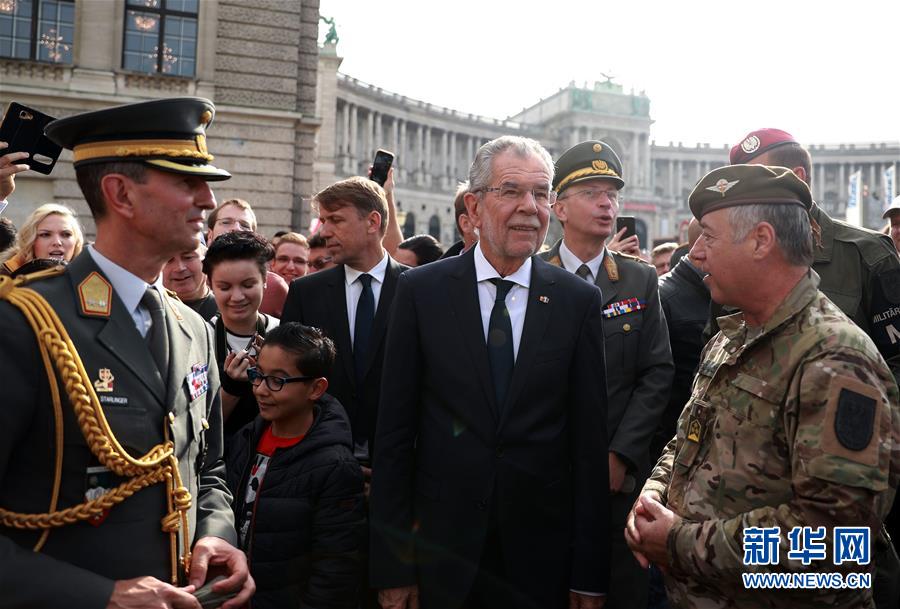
point(685, 302)
point(320, 300)
point(308, 525)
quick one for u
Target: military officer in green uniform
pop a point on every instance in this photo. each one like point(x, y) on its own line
point(858, 269)
point(791, 420)
point(639, 368)
point(111, 479)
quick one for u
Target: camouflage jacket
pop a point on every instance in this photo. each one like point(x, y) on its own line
point(791, 424)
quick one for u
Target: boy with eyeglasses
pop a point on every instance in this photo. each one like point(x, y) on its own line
point(298, 488)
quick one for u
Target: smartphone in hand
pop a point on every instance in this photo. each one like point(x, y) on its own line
point(23, 129)
point(381, 165)
point(626, 222)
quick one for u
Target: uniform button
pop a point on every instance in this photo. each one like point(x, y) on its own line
point(499, 451)
point(627, 327)
point(204, 423)
point(482, 504)
point(172, 418)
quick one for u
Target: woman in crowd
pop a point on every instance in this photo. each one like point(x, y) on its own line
point(235, 265)
point(51, 232)
point(418, 250)
point(291, 256)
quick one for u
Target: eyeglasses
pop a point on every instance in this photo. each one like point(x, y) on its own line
point(592, 194)
point(320, 263)
point(286, 259)
point(510, 192)
point(274, 383)
point(229, 222)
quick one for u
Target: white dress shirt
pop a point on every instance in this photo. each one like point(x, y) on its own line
point(571, 262)
point(129, 288)
point(354, 288)
point(516, 299)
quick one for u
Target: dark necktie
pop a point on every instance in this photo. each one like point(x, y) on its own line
point(584, 272)
point(500, 342)
point(362, 329)
point(156, 337)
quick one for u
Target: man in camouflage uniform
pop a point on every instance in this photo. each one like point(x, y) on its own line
point(858, 268)
point(792, 415)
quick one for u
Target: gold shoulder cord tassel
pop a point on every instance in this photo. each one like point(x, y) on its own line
point(61, 361)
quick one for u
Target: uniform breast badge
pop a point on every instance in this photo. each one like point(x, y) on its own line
point(198, 380)
point(104, 384)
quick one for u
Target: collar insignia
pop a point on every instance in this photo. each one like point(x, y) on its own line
point(95, 294)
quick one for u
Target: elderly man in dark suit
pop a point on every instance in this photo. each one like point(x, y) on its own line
point(489, 485)
point(145, 386)
point(639, 366)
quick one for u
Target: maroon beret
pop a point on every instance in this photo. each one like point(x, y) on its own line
point(758, 142)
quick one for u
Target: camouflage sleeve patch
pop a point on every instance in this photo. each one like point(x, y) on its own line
point(853, 419)
point(852, 432)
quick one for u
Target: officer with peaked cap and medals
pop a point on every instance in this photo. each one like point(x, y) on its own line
point(791, 420)
point(112, 489)
point(639, 368)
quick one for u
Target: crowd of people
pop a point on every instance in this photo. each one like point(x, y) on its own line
point(198, 415)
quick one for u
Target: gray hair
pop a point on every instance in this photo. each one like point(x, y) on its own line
point(482, 166)
point(791, 223)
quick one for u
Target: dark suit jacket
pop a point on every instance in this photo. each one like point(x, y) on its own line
point(79, 562)
point(447, 456)
point(639, 368)
point(320, 300)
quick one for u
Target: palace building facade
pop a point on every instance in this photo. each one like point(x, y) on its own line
point(289, 123)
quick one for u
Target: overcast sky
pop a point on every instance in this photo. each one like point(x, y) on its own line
point(714, 70)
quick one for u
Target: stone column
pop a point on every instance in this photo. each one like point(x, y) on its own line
point(368, 152)
point(679, 170)
point(379, 134)
point(819, 194)
point(444, 172)
point(352, 151)
point(419, 154)
point(345, 138)
point(428, 157)
point(403, 152)
point(453, 161)
point(671, 178)
point(842, 185)
point(635, 169)
point(395, 136)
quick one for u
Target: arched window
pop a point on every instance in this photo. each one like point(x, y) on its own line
point(409, 225)
point(434, 227)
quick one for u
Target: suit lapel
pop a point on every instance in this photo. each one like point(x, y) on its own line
point(337, 288)
point(179, 351)
point(466, 309)
point(118, 334)
point(379, 327)
point(537, 316)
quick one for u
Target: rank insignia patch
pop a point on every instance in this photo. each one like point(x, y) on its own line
point(95, 295)
point(693, 431)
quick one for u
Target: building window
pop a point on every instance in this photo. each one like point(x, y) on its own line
point(160, 36)
point(40, 30)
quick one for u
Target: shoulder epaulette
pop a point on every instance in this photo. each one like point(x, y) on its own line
point(39, 275)
point(630, 257)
